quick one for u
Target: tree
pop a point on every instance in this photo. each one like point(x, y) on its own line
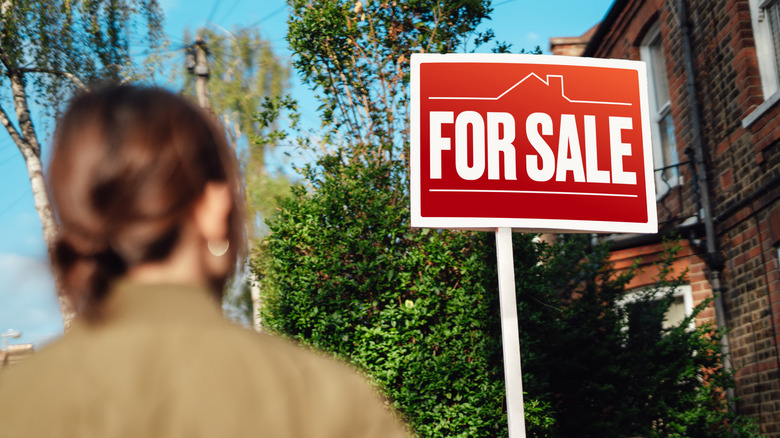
point(417, 309)
point(341, 270)
point(247, 74)
point(355, 54)
point(48, 49)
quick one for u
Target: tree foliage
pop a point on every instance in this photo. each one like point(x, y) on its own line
point(355, 54)
point(48, 48)
point(246, 74)
point(57, 45)
point(609, 363)
point(415, 309)
point(244, 70)
point(342, 271)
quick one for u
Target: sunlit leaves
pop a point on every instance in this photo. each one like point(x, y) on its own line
point(50, 40)
point(356, 55)
point(247, 80)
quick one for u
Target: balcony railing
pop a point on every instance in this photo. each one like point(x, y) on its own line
point(676, 188)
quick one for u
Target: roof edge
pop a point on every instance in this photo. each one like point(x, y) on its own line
point(609, 19)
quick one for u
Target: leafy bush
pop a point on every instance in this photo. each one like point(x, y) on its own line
point(343, 272)
point(609, 367)
point(417, 309)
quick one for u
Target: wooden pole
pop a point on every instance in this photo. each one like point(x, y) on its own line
point(202, 72)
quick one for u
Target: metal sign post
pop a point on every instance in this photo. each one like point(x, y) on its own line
point(510, 333)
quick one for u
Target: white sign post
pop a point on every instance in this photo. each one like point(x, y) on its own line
point(533, 143)
point(510, 333)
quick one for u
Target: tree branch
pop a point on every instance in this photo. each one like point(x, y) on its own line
point(9, 126)
point(23, 112)
point(73, 78)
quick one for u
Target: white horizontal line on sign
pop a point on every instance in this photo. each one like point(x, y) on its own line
point(533, 192)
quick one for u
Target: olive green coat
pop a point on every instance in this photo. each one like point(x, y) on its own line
point(165, 363)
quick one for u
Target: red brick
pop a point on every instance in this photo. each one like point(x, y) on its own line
point(729, 88)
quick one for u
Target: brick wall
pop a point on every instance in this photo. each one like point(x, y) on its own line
point(741, 161)
point(648, 256)
point(753, 307)
point(571, 46)
point(743, 166)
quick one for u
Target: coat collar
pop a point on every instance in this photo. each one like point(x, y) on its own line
point(129, 301)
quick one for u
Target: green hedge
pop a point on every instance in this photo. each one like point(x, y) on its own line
point(342, 271)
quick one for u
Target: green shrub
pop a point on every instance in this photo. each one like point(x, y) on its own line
point(609, 367)
point(342, 271)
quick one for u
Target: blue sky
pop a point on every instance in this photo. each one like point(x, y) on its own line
point(27, 300)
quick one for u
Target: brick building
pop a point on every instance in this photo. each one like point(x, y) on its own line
point(714, 79)
point(571, 46)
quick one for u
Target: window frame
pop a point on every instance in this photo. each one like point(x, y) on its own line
point(765, 47)
point(768, 64)
point(685, 291)
point(658, 112)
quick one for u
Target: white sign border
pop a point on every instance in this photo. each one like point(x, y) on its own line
point(531, 225)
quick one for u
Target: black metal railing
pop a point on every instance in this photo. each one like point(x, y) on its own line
point(676, 189)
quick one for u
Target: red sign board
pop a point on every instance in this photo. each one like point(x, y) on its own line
point(530, 142)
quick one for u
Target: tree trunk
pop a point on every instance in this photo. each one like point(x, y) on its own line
point(27, 142)
point(257, 302)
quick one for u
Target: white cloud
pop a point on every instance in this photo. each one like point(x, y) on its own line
point(532, 36)
point(28, 301)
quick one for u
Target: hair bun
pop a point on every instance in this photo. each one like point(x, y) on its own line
point(87, 271)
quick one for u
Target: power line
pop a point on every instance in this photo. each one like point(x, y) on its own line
point(177, 40)
point(15, 201)
point(213, 10)
point(9, 158)
point(233, 6)
point(177, 48)
point(280, 9)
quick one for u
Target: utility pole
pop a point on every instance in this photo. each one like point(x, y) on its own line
point(198, 64)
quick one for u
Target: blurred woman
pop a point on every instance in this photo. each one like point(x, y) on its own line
point(148, 197)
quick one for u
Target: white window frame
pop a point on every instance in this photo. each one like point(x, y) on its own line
point(683, 291)
point(658, 111)
point(767, 57)
point(765, 50)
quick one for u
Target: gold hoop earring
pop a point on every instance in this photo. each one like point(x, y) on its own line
point(218, 248)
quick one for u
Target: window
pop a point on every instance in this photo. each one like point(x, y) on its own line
point(664, 144)
point(681, 307)
point(765, 15)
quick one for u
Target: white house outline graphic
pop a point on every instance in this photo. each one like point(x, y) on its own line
point(544, 81)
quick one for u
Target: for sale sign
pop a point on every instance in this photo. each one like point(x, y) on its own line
point(530, 142)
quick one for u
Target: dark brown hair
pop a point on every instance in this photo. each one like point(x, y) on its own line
point(128, 165)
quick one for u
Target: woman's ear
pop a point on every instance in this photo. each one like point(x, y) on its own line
point(212, 211)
